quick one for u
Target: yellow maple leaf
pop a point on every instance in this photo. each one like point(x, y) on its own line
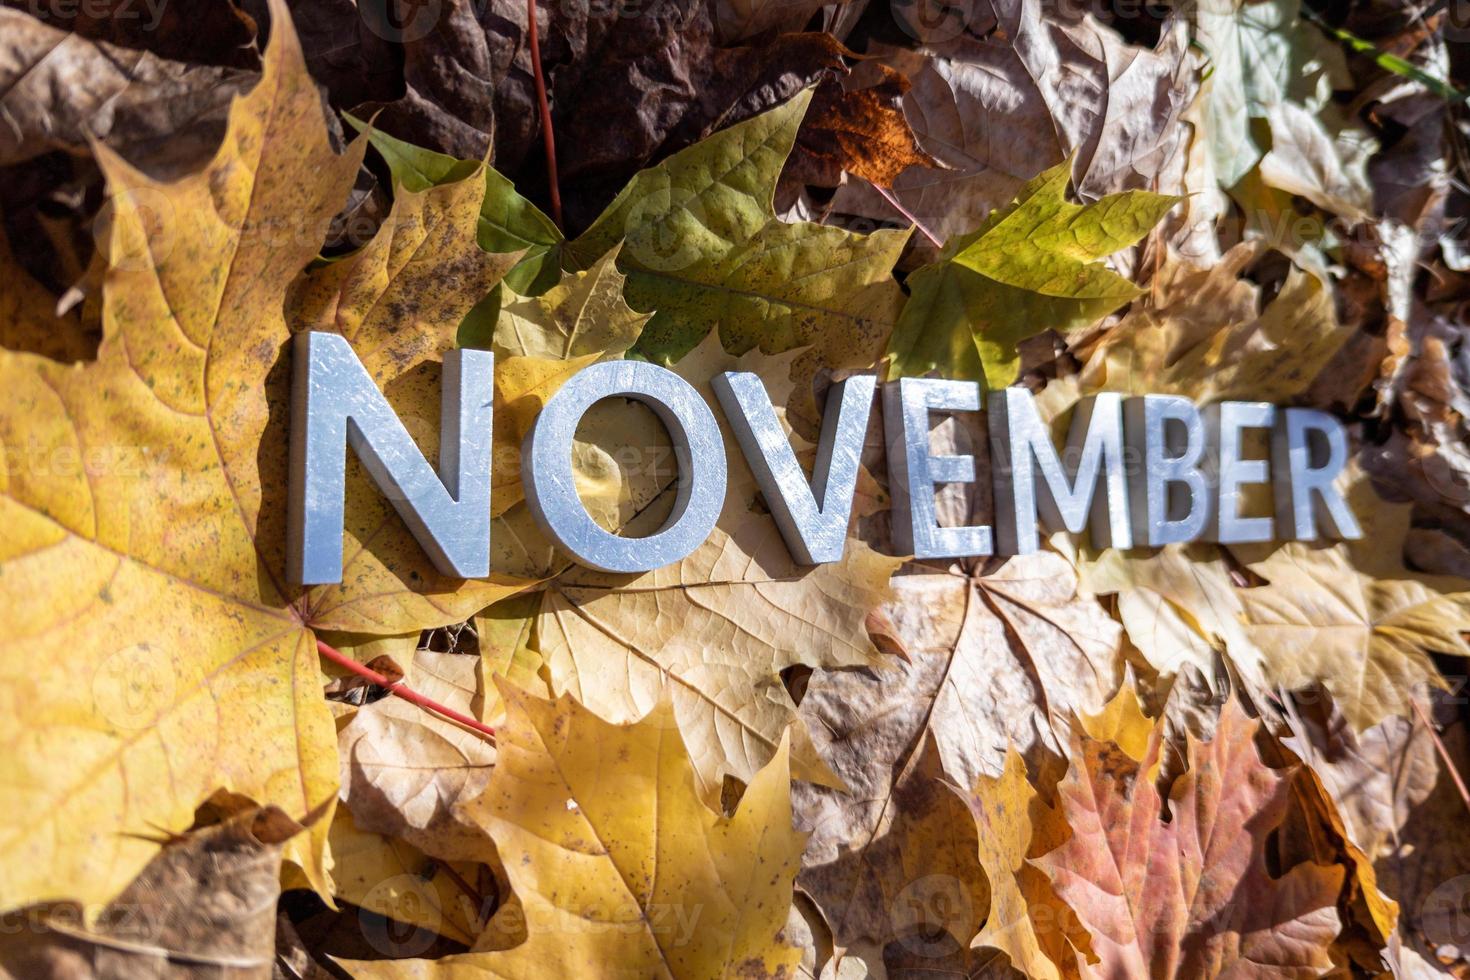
point(1027, 921)
point(143, 499)
point(619, 867)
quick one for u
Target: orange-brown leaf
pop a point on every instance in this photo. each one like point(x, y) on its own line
point(1187, 893)
point(858, 130)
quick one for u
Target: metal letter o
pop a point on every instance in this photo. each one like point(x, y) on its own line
point(551, 487)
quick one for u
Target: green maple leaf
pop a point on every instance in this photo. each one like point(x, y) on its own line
point(705, 250)
point(1030, 267)
point(508, 222)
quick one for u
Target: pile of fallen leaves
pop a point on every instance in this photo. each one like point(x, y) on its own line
point(1190, 762)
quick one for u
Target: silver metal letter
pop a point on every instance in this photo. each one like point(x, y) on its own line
point(1223, 424)
point(913, 470)
point(551, 488)
point(334, 403)
point(1172, 481)
point(1305, 492)
point(1066, 495)
point(815, 532)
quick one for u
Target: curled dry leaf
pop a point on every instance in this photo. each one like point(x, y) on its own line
point(62, 90)
point(405, 770)
point(856, 128)
point(626, 85)
point(1003, 90)
point(1271, 65)
point(1027, 921)
point(205, 904)
point(1205, 333)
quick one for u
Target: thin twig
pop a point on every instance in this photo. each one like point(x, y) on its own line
point(464, 886)
point(548, 138)
point(891, 199)
point(407, 694)
point(1444, 753)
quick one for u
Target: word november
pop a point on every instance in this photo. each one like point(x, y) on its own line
point(1148, 470)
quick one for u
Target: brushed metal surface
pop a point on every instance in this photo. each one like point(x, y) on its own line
point(812, 517)
point(1031, 480)
point(334, 404)
point(914, 470)
point(550, 484)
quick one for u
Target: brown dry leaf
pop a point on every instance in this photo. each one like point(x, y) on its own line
point(1352, 617)
point(1002, 91)
point(994, 659)
point(617, 861)
point(204, 906)
point(717, 628)
point(858, 129)
point(221, 34)
point(405, 770)
point(907, 862)
point(1204, 333)
point(190, 661)
point(738, 20)
point(1191, 896)
point(626, 85)
point(62, 91)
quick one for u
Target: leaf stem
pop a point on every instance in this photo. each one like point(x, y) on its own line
point(407, 694)
point(548, 138)
point(893, 200)
point(1444, 753)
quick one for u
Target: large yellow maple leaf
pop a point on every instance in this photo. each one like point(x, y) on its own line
point(620, 869)
point(153, 651)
